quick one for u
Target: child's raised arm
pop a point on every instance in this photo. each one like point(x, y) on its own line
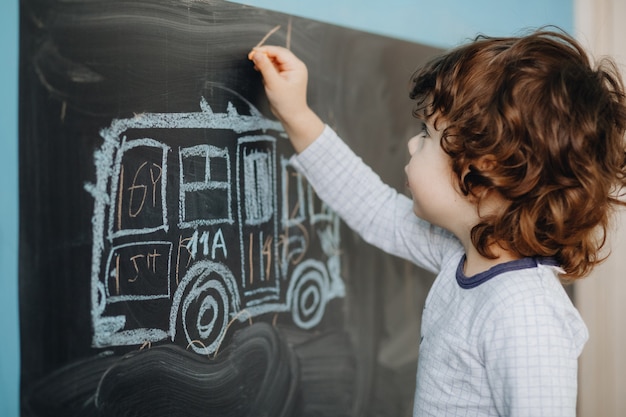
point(285, 79)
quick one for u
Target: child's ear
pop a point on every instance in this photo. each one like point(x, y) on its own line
point(476, 181)
point(486, 163)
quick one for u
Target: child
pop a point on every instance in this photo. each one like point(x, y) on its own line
point(520, 160)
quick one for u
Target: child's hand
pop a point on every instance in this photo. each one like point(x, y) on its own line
point(285, 79)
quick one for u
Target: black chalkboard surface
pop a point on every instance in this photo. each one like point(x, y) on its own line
point(172, 263)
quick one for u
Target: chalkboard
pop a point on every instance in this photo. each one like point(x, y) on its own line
point(171, 261)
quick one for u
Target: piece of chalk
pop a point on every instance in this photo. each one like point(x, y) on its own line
point(262, 41)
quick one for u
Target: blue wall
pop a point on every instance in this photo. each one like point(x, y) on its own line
point(443, 23)
point(9, 349)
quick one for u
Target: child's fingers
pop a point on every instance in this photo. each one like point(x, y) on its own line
point(263, 64)
point(282, 58)
point(275, 52)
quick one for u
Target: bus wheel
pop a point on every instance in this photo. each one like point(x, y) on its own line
point(202, 302)
point(308, 299)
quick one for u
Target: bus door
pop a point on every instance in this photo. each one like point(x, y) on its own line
point(257, 213)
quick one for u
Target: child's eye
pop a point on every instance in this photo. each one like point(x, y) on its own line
point(416, 143)
point(424, 130)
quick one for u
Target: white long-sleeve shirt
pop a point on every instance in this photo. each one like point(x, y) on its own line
point(504, 342)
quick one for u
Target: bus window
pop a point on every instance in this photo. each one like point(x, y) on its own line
point(205, 190)
point(292, 195)
point(139, 190)
point(258, 189)
point(318, 210)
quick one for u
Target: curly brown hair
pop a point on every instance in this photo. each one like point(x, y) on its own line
point(531, 119)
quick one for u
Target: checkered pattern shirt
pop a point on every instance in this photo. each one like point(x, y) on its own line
point(504, 342)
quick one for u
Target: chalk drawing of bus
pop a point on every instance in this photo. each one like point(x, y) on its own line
point(200, 213)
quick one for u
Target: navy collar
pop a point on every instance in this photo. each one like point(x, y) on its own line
point(480, 278)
